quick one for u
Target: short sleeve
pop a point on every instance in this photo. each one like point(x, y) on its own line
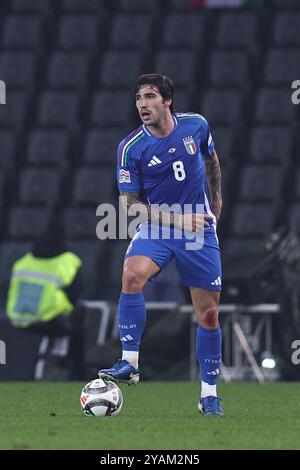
point(128, 175)
point(207, 142)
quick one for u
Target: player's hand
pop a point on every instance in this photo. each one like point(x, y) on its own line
point(193, 222)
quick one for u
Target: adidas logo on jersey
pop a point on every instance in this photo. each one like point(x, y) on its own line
point(154, 161)
point(216, 282)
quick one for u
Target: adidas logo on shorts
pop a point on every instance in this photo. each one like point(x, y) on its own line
point(217, 282)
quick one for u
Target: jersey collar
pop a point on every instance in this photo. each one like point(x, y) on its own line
point(150, 134)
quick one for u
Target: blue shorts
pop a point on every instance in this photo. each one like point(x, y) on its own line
point(197, 267)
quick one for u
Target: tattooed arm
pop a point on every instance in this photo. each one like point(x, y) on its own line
point(147, 212)
point(152, 214)
point(213, 176)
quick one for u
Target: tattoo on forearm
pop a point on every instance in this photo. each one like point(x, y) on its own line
point(213, 175)
point(149, 213)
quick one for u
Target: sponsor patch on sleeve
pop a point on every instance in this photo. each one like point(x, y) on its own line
point(124, 176)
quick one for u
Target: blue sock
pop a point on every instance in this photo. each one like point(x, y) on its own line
point(208, 350)
point(132, 319)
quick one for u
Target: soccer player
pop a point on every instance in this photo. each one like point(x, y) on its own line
point(170, 160)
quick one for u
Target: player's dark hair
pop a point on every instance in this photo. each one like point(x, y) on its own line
point(164, 84)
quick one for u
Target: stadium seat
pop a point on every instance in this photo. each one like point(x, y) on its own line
point(127, 28)
point(111, 109)
point(80, 223)
point(120, 69)
point(12, 114)
point(294, 217)
point(238, 247)
point(90, 254)
point(286, 29)
point(8, 148)
point(167, 286)
point(180, 65)
point(68, 70)
point(283, 4)
point(101, 145)
point(58, 109)
point(260, 183)
point(2, 184)
point(182, 100)
point(79, 6)
point(229, 68)
point(133, 6)
point(30, 6)
point(274, 106)
point(180, 5)
point(227, 173)
point(224, 143)
point(281, 66)
point(22, 32)
point(297, 184)
point(161, 292)
point(40, 186)
point(18, 69)
point(116, 252)
point(27, 223)
point(48, 147)
point(270, 144)
point(94, 185)
point(236, 29)
point(184, 30)
point(9, 253)
point(222, 106)
point(78, 31)
point(252, 220)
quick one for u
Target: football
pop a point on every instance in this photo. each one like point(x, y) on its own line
point(101, 398)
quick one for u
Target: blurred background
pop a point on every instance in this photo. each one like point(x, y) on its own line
point(70, 68)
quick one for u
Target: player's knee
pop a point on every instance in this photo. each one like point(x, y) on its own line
point(209, 317)
point(132, 281)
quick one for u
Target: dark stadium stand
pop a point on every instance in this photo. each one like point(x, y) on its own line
point(237, 29)
point(30, 6)
point(22, 32)
point(270, 144)
point(47, 147)
point(40, 185)
point(127, 28)
point(119, 69)
point(70, 68)
point(184, 30)
point(18, 69)
point(78, 32)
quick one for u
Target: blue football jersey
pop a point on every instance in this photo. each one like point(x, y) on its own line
point(167, 170)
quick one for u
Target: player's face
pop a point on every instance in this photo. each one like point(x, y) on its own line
point(151, 106)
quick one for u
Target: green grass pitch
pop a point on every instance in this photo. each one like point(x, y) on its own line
point(155, 415)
